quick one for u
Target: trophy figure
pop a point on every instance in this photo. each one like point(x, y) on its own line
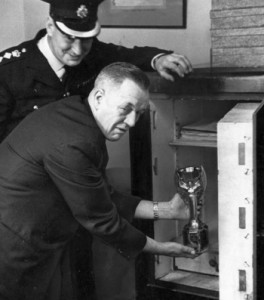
point(191, 184)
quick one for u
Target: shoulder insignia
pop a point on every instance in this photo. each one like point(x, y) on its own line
point(15, 53)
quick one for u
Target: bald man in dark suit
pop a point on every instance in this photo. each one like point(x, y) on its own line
point(52, 180)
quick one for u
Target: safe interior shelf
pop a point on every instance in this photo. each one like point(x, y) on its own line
point(192, 283)
point(193, 143)
point(201, 133)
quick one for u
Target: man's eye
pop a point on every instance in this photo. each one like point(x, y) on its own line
point(125, 110)
point(69, 37)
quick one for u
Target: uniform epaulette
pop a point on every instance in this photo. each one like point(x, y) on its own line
point(11, 54)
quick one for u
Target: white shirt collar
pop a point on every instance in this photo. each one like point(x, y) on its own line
point(44, 48)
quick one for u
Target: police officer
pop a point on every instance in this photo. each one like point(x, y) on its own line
point(32, 74)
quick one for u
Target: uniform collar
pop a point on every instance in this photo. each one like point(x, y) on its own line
point(44, 48)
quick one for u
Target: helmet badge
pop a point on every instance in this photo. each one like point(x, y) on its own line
point(82, 12)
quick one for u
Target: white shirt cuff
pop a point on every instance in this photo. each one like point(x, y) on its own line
point(154, 60)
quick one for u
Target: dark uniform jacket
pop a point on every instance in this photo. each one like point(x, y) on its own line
point(52, 181)
point(27, 81)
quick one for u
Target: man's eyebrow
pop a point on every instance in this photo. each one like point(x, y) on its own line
point(73, 37)
point(131, 105)
point(126, 104)
point(144, 107)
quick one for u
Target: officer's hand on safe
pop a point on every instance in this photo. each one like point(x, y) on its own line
point(170, 64)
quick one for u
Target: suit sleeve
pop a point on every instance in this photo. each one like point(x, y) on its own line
point(85, 191)
point(103, 54)
point(125, 204)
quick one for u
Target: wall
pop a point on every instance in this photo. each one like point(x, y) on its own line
point(237, 33)
point(36, 13)
point(12, 23)
point(194, 41)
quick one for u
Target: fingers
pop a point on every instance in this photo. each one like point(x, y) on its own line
point(188, 250)
point(178, 208)
point(179, 250)
point(165, 74)
point(180, 62)
point(173, 63)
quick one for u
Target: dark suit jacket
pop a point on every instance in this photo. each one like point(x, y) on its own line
point(28, 82)
point(51, 180)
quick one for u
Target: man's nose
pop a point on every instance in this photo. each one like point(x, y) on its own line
point(131, 119)
point(77, 47)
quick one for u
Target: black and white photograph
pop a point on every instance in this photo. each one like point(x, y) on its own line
point(132, 150)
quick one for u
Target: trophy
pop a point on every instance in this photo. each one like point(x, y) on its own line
point(191, 184)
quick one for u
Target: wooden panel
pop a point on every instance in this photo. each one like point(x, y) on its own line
point(237, 61)
point(227, 4)
point(236, 203)
point(192, 280)
point(238, 41)
point(200, 285)
point(243, 57)
point(197, 143)
point(249, 11)
point(220, 83)
point(238, 22)
point(237, 31)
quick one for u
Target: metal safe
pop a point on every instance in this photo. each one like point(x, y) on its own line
point(215, 119)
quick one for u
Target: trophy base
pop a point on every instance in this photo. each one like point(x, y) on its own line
point(196, 238)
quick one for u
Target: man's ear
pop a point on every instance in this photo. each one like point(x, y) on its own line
point(50, 26)
point(98, 98)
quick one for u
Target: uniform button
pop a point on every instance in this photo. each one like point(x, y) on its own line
point(66, 94)
point(35, 107)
